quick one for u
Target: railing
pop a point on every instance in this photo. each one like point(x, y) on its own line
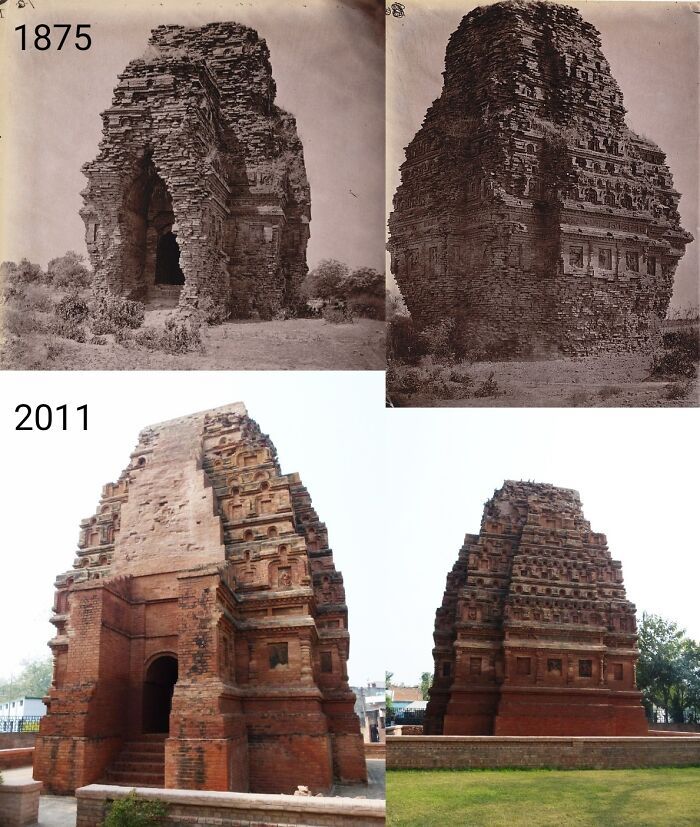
point(30, 723)
point(406, 716)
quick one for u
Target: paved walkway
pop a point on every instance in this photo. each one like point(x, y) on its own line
point(54, 810)
point(375, 788)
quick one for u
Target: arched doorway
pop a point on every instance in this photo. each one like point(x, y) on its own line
point(161, 677)
point(168, 269)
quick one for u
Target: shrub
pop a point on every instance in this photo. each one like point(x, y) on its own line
point(71, 312)
point(112, 313)
point(460, 378)
point(181, 334)
point(438, 338)
point(403, 380)
point(133, 811)
point(20, 322)
point(368, 306)
point(68, 271)
point(487, 388)
point(212, 313)
point(678, 390)
point(404, 343)
point(23, 273)
point(337, 313)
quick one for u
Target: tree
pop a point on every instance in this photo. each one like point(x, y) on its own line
point(426, 681)
point(664, 660)
point(389, 701)
point(365, 291)
point(25, 272)
point(326, 279)
point(68, 271)
point(33, 681)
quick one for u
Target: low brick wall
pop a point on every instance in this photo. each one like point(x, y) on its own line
point(19, 804)
point(21, 757)
point(405, 729)
point(459, 752)
point(236, 809)
point(676, 728)
point(375, 750)
point(12, 740)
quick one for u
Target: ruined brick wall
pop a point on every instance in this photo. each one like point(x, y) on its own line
point(550, 753)
point(535, 635)
point(194, 146)
point(528, 212)
point(205, 552)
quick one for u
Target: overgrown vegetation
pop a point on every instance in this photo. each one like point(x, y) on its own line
point(340, 294)
point(680, 355)
point(109, 314)
point(133, 811)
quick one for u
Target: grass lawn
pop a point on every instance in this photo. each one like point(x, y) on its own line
point(663, 797)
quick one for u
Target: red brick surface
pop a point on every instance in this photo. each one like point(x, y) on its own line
point(203, 552)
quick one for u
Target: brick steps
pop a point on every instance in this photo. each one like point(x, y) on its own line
point(141, 763)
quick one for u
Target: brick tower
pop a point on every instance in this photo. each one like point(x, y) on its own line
point(201, 636)
point(535, 635)
point(529, 213)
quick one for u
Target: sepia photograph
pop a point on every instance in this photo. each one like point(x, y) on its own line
point(192, 185)
point(542, 172)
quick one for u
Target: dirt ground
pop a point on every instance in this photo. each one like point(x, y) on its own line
point(611, 381)
point(294, 344)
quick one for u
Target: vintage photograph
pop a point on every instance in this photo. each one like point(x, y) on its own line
point(199, 618)
point(193, 186)
point(542, 171)
point(547, 622)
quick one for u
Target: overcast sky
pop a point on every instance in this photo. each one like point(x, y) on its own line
point(636, 472)
point(327, 61)
point(327, 426)
point(652, 48)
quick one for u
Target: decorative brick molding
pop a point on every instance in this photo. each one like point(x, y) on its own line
point(19, 804)
point(18, 757)
point(554, 752)
point(237, 809)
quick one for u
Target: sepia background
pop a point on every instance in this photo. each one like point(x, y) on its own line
point(652, 48)
point(327, 61)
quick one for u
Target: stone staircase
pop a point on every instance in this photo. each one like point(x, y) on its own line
point(163, 296)
point(141, 763)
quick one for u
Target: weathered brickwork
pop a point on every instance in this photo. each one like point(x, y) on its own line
point(533, 752)
point(535, 635)
point(528, 212)
point(197, 159)
point(203, 584)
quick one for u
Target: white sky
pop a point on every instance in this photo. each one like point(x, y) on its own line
point(637, 473)
point(327, 426)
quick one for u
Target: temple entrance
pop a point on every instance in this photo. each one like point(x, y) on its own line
point(168, 260)
point(161, 677)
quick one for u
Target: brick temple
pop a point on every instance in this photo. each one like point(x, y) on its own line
point(201, 635)
point(529, 214)
point(535, 635)
point(199, 191)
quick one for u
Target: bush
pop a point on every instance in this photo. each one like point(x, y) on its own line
point(133, 811)
point(404, 343)
point(678, 390)
point(439, 339)
point(69, 271)
point(21, 323)
point(212, 313)
point(71, 312)
point(181, 334)
point(403, 380)
point(337, 314)
point(23, 273)
point(368, 306)
point(487, 388)
point(112, 313)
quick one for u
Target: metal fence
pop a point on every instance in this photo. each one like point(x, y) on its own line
point(414, 717)
point(29, 723)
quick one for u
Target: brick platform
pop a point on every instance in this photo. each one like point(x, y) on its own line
point(237, 809)
point(484, 752)
point(19, 804)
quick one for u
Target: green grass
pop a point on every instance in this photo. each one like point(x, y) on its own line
point(663, 797)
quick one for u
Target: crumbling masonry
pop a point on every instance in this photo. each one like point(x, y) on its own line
point(529, 213)
point(201, 636)
point(535, 635)
point(199, 189)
